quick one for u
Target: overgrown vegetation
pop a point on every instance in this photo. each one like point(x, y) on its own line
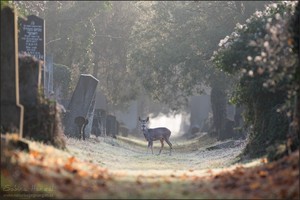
point(261, 54)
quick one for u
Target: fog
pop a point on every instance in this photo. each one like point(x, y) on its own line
point(178, 123)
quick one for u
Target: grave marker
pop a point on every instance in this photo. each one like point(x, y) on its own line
point(11, 111)
point(32, 37)
point(80, 102)
point(32, 41)
point(90, 117)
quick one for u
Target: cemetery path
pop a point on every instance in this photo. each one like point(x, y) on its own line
point(108, 168)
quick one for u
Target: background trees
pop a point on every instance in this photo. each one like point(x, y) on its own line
point(163, 50)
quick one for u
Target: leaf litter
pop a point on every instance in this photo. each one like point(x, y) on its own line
point(55, 173)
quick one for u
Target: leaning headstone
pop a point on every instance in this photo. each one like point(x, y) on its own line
point(32, 39)
point(80, 103)
point(11, 110)
point(90, 117)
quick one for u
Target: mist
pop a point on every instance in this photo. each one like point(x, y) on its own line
point(177, 123)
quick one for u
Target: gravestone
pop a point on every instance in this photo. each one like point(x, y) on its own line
point(30, 85)
point(11, 110)
point(90, 117)
point(102, 114)
point(111, 125)
point(48, 76)
point(96, 126)
point(41, 116)
point(32, 40)
point(32, 37)
point(80, 102)
point(29, 80)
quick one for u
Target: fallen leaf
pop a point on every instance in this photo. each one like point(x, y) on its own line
point(254, 185)
point(263, 173)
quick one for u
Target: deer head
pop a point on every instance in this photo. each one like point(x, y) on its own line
point(144, 123)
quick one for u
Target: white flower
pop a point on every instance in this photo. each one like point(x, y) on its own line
point(252, 43)
point(250, 73)
point(273, 5)
point(249, 58)
point(266, 44)
point(277, 16)
point(258, 14)
point(235, 34)
point(239, 26)
point(257, 58)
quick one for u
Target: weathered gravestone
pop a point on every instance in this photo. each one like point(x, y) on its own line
point(111, 125)
point(11, 110)
point(32, 37)
point(90, 117)
point(41, 116)
point(80, 103)
point(29, 80)
point(124, 130)
point(96, 125)
point(32, 40)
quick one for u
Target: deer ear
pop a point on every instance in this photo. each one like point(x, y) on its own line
point(147, 119)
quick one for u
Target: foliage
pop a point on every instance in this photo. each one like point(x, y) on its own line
point(171, 46)
point(4, 3)
point(62, 79)
point(110, 48)
point(260, 54)
point(165, 52)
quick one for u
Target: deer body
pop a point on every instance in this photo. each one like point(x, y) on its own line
point(154, 134)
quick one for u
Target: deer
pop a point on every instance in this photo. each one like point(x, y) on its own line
point(153, 134)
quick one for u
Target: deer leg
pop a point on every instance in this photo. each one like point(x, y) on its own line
point(149, 145)
point(162, 146)
point(170, 144)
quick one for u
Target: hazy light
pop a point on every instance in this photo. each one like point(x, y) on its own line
point(172, 122)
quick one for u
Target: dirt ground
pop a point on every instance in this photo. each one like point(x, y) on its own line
point(106, 168)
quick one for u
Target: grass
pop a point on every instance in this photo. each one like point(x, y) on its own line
point(135, 174)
